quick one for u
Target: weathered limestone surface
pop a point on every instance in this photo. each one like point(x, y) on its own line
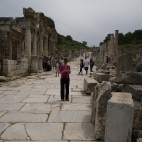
point(11, 106)
point(15, 132)
point(102, 77)
point(139, 140)
point(135, 90)
point(39, 108)
point(78, 131)
point(99, 105)
point(134, 78)
point(120, 116)
point(89, 84)
point(23, 117)
point(71, 116)
point(44, 131)
point(3, 126)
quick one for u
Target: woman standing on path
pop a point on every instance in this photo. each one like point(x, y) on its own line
point(65, 80)
point(81, 66)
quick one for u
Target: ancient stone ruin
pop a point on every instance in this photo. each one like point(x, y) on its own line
point(117, 94)
point(25, 40)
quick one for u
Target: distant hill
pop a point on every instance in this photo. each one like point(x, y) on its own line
point(69, 43)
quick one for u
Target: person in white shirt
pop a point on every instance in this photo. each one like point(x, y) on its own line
point(86, 64)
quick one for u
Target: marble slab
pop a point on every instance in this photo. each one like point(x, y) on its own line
point(34, 100)
point(3, 126)
point(76, 107)
point(23, 117)
point(15, 132)
point(1, 92)
point(81, 99)
point(70, 116)
point(2, 113)
point(39, 108)
point(1, 96)
point(12, 98)
point(44, 131)
point(10, 92)
point(11, 106)
point(78, 131)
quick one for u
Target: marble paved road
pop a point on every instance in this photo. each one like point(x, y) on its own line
point(31, 109)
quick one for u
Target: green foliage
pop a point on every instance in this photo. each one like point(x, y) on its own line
point(84, 43)
point(130, 38)
point(69, 38)
point(69, 43)
point(127, 41)
point(107, 38)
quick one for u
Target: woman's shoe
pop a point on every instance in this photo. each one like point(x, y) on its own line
point(66, 99)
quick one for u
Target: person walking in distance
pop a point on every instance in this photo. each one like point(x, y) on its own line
point(91, 65)
point(57, 67)
point(65, 80)
point(86, 64)
point(81, 66)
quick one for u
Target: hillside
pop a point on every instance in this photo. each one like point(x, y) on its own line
point(69, 43)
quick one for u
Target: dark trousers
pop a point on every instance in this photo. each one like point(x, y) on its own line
point(64, 87)
point(80, 69)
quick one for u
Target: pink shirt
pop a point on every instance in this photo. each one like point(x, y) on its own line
point(64, 74)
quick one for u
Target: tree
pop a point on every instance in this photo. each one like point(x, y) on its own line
point(69, 38)
point(84, 43)
point(121, 39)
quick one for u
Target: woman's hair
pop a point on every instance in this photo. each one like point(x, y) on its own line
point(90, 60)
point(65, 60)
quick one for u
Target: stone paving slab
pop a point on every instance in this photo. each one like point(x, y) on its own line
point(76, 93)
point(15, 132)
point(1, 96)
point(10, 92)
point(81, 99)
point(3, 126)
point(1, 92)
point(52, 92)
point(23, 117)
point(34, 100)
point(45, 131)
point(2, 113)
point(41, 141)
point(11, 106)
point(39, 108)
point(78, 131)
point(12, 98)
point(70, 116)
point(76, 107)
point(37, 96)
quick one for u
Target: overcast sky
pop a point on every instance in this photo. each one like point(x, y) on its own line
point(84, 20)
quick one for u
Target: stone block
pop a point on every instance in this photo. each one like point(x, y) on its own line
point(139, 140)
point(135, 90)
point(89, 84)
point(99, 106)
point(119, 118)
point(102, 77)
point(134, 78)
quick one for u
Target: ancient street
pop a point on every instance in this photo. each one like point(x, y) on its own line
point(31, 109)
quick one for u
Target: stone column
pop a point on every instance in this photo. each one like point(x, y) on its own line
point(119, 118)
point(35, 43)
point(41, 46)
point(45, 49)
point(10, 48)
point(28, 44)
point(116, 44)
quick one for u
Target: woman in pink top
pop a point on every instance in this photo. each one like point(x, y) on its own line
point(65, 80)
